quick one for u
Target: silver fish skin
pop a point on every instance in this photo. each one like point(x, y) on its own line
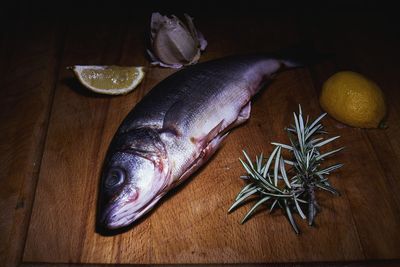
point(174, 130)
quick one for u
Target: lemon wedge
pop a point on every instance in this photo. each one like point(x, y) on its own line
point(110, 80)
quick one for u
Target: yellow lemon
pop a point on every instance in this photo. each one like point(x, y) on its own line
point(353, 99)
point(111, 80)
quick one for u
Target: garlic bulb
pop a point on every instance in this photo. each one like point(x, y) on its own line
point(174, 44)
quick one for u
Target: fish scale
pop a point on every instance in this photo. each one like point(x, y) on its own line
point(174, 130)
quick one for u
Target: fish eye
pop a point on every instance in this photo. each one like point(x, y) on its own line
point(114, 178)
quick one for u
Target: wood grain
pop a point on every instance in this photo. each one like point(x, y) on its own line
point(371, 153)
point(76, 117)
point(28, 72)
point(191, 224)
point(386, 263)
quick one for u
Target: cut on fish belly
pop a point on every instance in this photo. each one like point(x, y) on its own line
point(174, 130)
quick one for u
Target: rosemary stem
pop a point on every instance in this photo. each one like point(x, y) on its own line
point(290, 183)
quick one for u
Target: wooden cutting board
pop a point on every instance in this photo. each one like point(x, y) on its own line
point(191, 224)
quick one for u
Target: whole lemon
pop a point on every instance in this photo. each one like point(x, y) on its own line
point(353, 99)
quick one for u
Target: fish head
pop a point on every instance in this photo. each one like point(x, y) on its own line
point(132, 182)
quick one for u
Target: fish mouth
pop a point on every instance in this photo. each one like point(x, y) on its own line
point(118, 216)
point(122, 208)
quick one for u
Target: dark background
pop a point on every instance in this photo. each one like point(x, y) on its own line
point(115, 11)
point(364, 35)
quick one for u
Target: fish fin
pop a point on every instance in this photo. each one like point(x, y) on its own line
point(204, 156)
point(244, 113)
point(243, 116)
point(177, 116)
point(302, 54)
point(214, 132)
point(205, 140)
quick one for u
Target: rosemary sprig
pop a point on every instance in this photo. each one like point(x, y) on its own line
point(290, 184)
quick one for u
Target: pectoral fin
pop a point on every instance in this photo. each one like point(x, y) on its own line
point(205, 140)
point(205, 154)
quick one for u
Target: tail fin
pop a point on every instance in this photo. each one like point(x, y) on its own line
point(292, 64)
point(301, 55)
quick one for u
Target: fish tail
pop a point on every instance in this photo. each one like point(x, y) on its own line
point(291, 63)
point(302, 55)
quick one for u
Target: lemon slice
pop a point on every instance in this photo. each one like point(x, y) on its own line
point(110, 80)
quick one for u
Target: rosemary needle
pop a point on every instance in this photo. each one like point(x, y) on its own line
point(290, 183)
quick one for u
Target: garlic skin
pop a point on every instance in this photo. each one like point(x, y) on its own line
point(174, 44)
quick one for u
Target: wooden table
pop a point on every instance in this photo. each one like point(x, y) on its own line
point(54, 135)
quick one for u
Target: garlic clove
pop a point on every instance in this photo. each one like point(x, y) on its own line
point(174, 44)
point(197, 35)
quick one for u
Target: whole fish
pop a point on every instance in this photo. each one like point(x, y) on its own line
point(174, 130)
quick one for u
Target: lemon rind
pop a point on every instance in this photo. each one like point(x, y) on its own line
point(77, 69)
